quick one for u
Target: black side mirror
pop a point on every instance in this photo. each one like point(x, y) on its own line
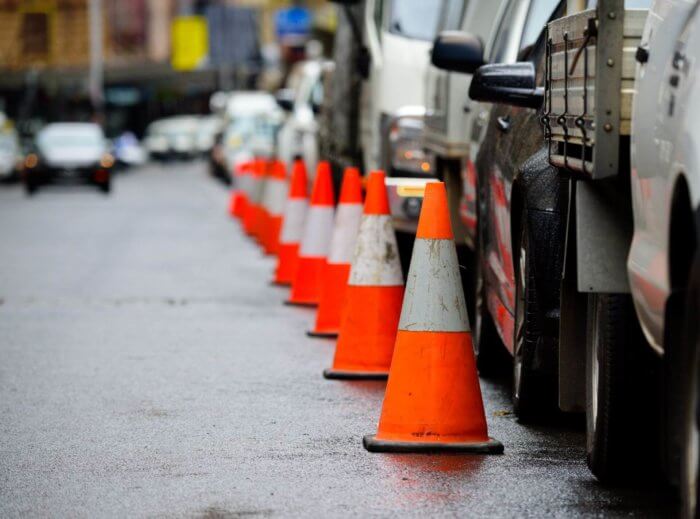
point(285, 99)
point(510, 84)
point(458, 51)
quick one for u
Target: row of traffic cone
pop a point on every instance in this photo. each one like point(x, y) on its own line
point(346, 262)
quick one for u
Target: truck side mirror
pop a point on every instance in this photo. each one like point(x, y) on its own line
point(457, 51)
point(285, 99)
point(510, 84)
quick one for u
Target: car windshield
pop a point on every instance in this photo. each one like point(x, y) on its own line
point(248, 126)
point(70, 138)
point(415, 19)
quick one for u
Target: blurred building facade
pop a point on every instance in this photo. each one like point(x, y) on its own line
point(45, 53)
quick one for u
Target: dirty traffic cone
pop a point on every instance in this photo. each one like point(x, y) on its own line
point(239, 195)
point(318, 228)
point(433, 400)
point(273, 201)
point(292, 226)
point(252, 213)
point(374, 294)
point(337, 270)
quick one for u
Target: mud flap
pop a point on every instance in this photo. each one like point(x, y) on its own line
point(572, 324)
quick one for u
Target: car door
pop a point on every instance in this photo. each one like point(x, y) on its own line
point(513, 134)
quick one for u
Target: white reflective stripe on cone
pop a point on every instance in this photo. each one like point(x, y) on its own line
point(347, 225)
point(434, 298)
point(244, 183)
point(376, 258)
point(317, 232)
point(256, 190)
point(275, 196)
point(293, 223)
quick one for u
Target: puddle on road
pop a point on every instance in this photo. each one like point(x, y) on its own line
point(419, 477)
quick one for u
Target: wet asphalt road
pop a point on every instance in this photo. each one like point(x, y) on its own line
point(148, 369)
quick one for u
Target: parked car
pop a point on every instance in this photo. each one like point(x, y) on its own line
point(69, 151)
point(10, 152)
point(173, 137)
point(251, 124)
point(517, 307)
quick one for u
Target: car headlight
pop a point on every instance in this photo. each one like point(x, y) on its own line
point(406, 152)
point(107, 160)
point(234, 141)
point(31, 161)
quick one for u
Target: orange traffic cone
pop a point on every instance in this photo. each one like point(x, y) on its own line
point(337, 270)
point(292, 226)
point(306, 289)
point(252, 213)
point(374, 294)
point(273, 201)
point(239, 195)
point(433, 400)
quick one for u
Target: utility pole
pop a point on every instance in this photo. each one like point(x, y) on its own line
point(96, 79)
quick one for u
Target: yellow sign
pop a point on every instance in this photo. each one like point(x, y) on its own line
point(190, 42)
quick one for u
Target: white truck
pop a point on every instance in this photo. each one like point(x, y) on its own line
point(397, 37)
point(621, 112)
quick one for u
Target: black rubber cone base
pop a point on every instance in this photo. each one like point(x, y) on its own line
point(278, 284)
point(305, 305)
point(372, 444)
point(335, 374)
point(322, 335)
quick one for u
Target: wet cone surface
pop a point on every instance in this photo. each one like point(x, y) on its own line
point(373, 296)
point(274, 198)
point(292, 226)
point(337, 270)
point(315, 243)
point(433, 399)
point(239, 196)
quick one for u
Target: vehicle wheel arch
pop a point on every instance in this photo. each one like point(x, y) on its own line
point(537, 187)
point(684, 229)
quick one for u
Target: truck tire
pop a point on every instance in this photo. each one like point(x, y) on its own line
point(617, 410)
point(534, 386)
point(690, 448)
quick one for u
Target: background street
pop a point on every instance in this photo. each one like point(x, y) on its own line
point(147, 368)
